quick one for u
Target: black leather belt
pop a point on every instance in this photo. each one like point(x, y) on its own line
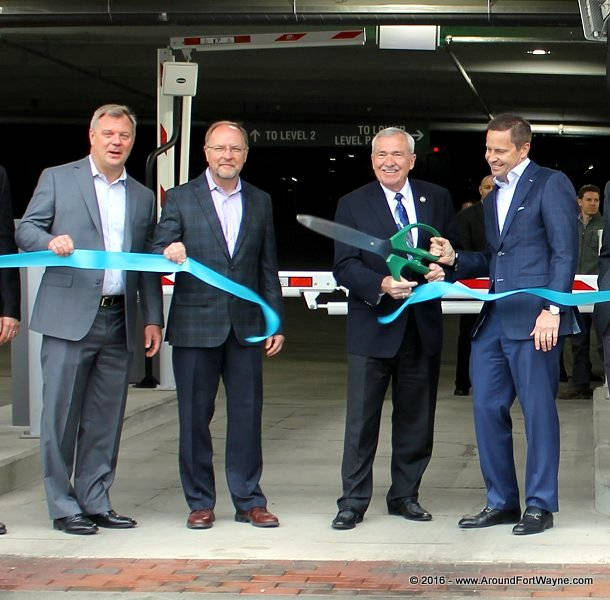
point(108, 301)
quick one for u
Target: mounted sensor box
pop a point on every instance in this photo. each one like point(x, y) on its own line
point(179, 78)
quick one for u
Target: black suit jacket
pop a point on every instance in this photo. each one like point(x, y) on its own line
point(200, 315)
point(361, 272)
point(471, 228)
point(10, 291)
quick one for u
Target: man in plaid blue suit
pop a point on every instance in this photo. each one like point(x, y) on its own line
point(227, 224)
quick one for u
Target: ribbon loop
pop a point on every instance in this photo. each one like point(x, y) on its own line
point(152, 263)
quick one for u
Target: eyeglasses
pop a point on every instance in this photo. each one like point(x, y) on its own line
point(223, 149)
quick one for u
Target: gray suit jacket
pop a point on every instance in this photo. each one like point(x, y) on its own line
point(64, 202)
point(201, 316)
point(601, 312)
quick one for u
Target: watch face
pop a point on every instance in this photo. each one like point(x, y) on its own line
point(554, 310)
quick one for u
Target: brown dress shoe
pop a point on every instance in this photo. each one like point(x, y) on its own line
point(200, 519)
point(259, 516)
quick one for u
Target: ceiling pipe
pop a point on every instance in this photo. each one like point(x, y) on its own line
point(11, 21)
point(22, 13)
point(548, 128)
point(466, 77)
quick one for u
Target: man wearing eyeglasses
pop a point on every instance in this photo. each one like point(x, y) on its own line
point(224, 222)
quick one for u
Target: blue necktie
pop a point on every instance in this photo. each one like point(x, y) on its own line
point(401, 211)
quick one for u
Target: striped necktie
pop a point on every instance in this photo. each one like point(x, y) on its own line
point(403, 217)
point(401, 211)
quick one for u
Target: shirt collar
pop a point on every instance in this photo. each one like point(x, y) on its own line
point(97, 173)
point(391, 195)
point(213, 187)
point(513, 174)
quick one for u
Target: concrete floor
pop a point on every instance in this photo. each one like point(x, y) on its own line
point(302, 436)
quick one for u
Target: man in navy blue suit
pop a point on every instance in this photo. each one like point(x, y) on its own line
point(532, 242)
point(407, 352)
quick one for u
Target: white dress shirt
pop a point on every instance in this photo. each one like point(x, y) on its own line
point(408, 203)
point(229, 209)
point(506, 191)
point(111, 200)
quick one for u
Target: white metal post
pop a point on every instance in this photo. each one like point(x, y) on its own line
point(165, 181)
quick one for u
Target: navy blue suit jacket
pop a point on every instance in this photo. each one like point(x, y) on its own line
point(361, 272)
point(538, 247)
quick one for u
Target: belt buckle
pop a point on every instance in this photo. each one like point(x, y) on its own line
point(106, 301)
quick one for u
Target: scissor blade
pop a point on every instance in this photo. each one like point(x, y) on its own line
point(346, 235)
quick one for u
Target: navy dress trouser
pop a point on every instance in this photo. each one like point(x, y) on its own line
point(197, 372)
point(502, 369)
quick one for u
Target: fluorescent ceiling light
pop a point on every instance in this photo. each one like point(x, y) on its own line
point(408, 37)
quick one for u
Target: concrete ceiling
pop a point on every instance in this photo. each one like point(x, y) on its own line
point(61, 59)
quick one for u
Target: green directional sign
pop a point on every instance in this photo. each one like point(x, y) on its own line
point(327, 135)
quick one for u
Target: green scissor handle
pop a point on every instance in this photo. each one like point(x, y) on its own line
point(400, 241)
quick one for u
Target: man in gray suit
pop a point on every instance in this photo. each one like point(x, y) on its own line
point(226, 223)
point(601, 311)
point(87, 318)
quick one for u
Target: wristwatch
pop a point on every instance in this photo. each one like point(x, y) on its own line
point(554, 310)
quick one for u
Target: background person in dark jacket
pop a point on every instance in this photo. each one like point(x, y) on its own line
point(590, 226)
point(471, 236)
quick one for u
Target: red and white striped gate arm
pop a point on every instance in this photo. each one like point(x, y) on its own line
point(250, 41)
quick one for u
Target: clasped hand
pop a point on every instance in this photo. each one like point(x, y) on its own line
point(400, 290)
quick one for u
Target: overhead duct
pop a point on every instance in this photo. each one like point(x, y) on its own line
point(595, 14)
point(28, 13)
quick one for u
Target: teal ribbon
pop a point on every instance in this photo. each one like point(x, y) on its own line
point(153, 263)
point(438, 289)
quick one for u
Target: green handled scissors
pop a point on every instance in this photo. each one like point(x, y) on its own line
point(397, 251)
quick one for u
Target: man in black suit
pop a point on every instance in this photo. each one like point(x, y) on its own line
point(407, 352)
point(471, 235)
point(10, 292)
point(226, 223)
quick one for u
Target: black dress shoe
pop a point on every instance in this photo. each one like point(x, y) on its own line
point(346, 518)
point(2, 528)
point(461, 392)
point(534, 520)
point(111, 520)
point(489, 517)
point(75, 524)
point(409, 509)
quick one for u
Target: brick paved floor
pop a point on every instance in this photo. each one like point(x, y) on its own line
point(313, 578)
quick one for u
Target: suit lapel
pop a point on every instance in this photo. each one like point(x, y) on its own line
point(204, 197)
point(82, 172)
point(378, 206)
point(490, 207)
point(523, 187)
point(247, 208)
point(423, 214)
point(131, 204)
